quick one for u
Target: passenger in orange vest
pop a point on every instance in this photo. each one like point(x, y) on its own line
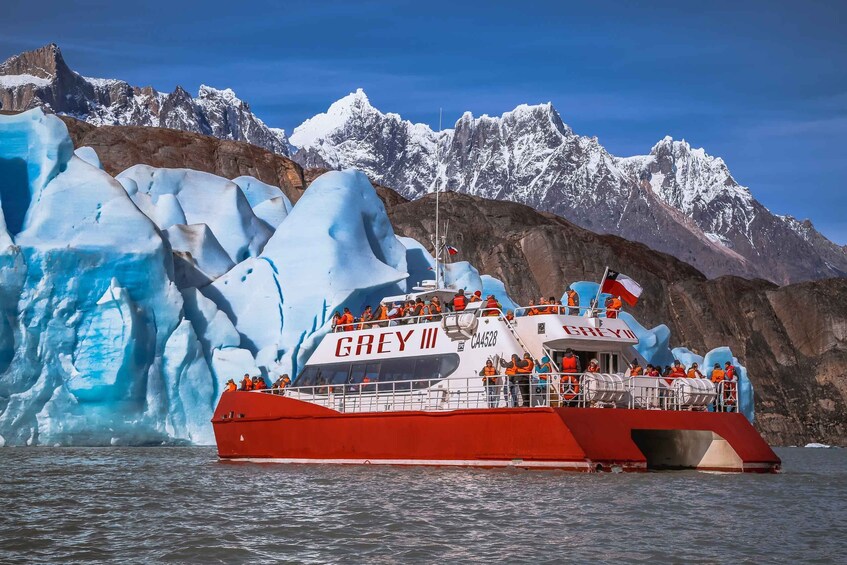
point(511, 391)
point(346, 321)
point(418, 309)
point(593, 366)
point(492, 307)
point(396, 314)
point(460, 302)
point(559, 307)
point(231, 386)
point(259, 383)
point(613, 307)
point(336, 321)
point(435, 307)
point(381, 316)
point(677, 370)
point(694, 372)
point(489, 380)
point(569, 381)
point(573, 302)
point(510, 315)
point(477, 296)
point(730, 388)
point(246, 383)
point(366, 318)
point(635, 370)
point(654, 372)
point(525, 368)
point(531, 310)
point(718, 374)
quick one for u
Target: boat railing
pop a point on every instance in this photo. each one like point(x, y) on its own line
point(399, 321)
point(583, 390)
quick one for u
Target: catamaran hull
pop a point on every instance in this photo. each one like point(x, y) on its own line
point(270, 428)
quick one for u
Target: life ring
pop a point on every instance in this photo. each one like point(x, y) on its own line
point(569, 386)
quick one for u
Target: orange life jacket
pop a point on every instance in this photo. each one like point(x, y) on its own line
point(692, 373)
point(247, 383)
point(382, 312)
point(231, 387)
point(593, 369)
point(570, 364)
point(346, 318)
point(533, 311)
point(677, 371)
point(636, 371)
point(434, 308)
point(489, 371)
point(730, 373)
point(718, 375)
point(525, 367)
point(492, 307)
point(459, 302)
point(613, 308)
point(572, 298)
point(511, 368)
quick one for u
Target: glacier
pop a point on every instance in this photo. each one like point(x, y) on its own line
point(128, 302)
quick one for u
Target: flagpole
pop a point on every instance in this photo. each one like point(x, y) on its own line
point(600, 289)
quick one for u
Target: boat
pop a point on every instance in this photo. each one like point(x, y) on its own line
point(409, 392)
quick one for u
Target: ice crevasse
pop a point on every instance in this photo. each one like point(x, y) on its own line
point(128, 302)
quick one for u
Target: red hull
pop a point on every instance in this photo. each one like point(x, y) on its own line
point(251, 426)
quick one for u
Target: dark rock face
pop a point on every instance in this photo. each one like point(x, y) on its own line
point(677, 199)
point(120, 147)
point(793, 339)
point(42, 78)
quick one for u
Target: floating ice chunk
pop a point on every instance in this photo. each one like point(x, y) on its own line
point(818, 445)
point(190, 386)
point(35, 148)
point(720, 356)
point(232, 363)
point(198, 257)
point(491, 285)
point(184, 196)
point(89, 155)
point(336, 249)
point(654, 344)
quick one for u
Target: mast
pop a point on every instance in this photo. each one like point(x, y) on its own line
point(438, 245)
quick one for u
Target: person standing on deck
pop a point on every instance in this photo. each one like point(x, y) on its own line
point(511, 367)
point(573, 302)
point(489, 380)
point(525, 368)
point(460, 302)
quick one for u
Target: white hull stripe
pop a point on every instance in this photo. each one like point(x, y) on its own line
point(581, 465)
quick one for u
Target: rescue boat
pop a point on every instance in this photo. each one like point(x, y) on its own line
point(409, 392)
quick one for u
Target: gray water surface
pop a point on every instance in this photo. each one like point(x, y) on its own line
point(129, 505)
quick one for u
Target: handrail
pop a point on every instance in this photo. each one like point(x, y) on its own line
point(557, 390)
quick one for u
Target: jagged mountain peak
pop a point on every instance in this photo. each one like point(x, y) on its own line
point(45, 62)
point(41, 78)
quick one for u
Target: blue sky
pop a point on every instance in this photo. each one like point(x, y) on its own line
point(762, 85)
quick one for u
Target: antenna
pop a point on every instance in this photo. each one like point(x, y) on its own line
point(438, 245)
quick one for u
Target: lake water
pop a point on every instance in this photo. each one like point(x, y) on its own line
point(183, 505)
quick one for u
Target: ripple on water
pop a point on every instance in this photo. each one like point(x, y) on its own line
point(182, 505)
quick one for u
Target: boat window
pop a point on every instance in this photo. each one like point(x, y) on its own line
point(418, 371)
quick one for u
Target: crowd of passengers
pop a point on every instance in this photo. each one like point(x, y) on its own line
point(420, 310)
point(521, 374)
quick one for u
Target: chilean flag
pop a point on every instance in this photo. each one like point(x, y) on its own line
point(452, 250)
point(617, 284)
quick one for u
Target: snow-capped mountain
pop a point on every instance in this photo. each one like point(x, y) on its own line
point(675, 199)
point(42, 78)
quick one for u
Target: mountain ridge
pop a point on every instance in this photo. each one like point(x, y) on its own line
point(42, 78)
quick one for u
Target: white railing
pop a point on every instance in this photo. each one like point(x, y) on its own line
point(585, 390)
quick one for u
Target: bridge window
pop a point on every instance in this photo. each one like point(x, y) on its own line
point(418, 372)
